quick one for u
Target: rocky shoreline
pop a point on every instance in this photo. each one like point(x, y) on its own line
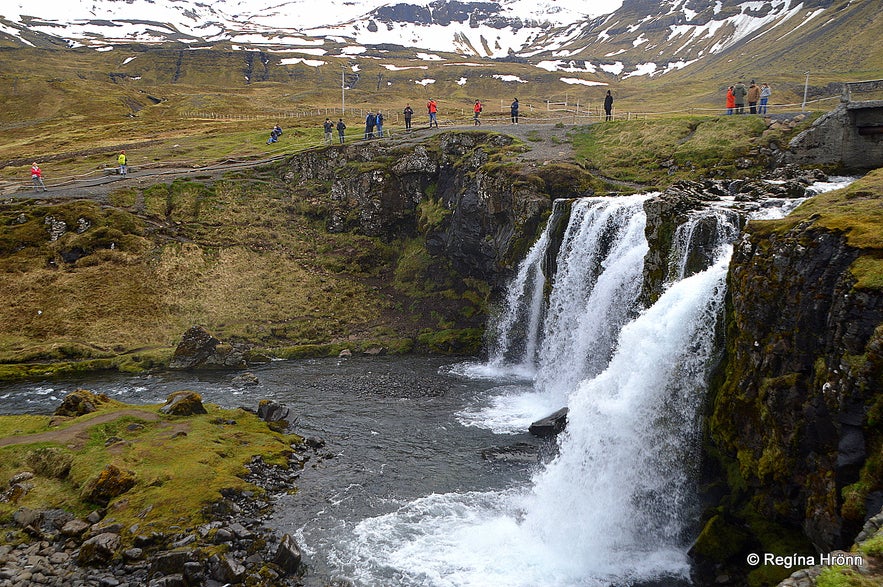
point(233, 548)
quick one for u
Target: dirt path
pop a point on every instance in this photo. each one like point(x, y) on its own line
point(76, 433)
point(546, 142)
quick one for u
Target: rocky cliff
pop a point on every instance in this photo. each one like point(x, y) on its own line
point(456, 192)
point(794, 425)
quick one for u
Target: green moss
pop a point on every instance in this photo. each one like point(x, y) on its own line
point(465, 341)
point(210, 457)
point(873, 546)
point(635, 150)
point(431, 214)
point(843, 577)
point(854, 211)
point(720, 540)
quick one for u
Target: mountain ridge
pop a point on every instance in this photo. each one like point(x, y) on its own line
point(633, 38)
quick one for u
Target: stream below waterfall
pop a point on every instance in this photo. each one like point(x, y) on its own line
point(430, 478)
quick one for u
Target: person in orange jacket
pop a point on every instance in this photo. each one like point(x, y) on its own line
point(432, 107)
point(731, 100)
point(476, 112)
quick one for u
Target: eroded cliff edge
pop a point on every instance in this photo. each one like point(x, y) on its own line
point(795, 418)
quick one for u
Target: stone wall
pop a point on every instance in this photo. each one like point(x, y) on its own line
point(849, 136)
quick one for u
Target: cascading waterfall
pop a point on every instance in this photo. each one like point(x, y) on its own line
point(614, 506)
point(593, 293)
point(514, 335)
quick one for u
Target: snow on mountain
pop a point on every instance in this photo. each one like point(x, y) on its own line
point(486, 29)
point(600, 38)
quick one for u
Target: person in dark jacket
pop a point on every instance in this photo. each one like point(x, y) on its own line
point(608, 106)
point(408, 112)
point(328, 127)
point(340, 128)
point(513, 110)
point(370, 122)
point(739, 93)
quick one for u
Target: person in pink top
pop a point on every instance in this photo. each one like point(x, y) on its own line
point(37, 177)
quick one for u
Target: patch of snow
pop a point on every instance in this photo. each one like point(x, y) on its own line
point(614, 68)
point(582, 82)
point(424, 82)
point(429, 57)
point(461, 81)
point(509, 78)
point(353, 50)
point(307, 51)
point(642, 69)
point(398, 68)
point(615, 53)
point(640, 40)
point(308, 62)
point(128, 60)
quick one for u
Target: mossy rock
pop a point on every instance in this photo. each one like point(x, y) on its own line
point(183, 403)
point(80, 403)
point(111, 482)
point(720, 540)
point(53, 463)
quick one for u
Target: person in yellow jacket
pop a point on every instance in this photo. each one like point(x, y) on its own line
point(123, 163)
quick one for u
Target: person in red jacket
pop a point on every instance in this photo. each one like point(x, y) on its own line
point(731, 100)
point(37, 177)
point(476, 111)
point(433, 113)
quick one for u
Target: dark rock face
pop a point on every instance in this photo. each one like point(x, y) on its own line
point(200, 350)
point(487, 216)
point(797, 408)
point(550, 425)
point(288, 555)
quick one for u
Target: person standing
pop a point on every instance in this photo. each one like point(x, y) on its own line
point(370, 121)
point(408, 112)
point(731, 100)
point(37, 177)
point(513, 111)
point(379, 119)
point(432, 107)
point(765, 93)
point(753, 97)
point(340, 128)
point(608, 106)
point(476, 112)
point(739, 93)
point(123, 162)
point(328, 127)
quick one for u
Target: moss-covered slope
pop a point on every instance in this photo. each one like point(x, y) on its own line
point(795, 420)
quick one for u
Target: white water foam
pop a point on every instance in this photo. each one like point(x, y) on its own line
point(608, 509)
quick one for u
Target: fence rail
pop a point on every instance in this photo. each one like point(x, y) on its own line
point(550, 112)
point(871, 85)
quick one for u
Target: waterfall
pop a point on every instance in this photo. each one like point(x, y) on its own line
point(593, 293)
point(616, 505)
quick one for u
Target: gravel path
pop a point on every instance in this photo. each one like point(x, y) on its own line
point(546, 142)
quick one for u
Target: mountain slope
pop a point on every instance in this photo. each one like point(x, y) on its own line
point(603, 40)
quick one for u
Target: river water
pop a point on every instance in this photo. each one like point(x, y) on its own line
point(429, 478)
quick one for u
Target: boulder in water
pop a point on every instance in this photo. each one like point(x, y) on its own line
point(550, 425)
